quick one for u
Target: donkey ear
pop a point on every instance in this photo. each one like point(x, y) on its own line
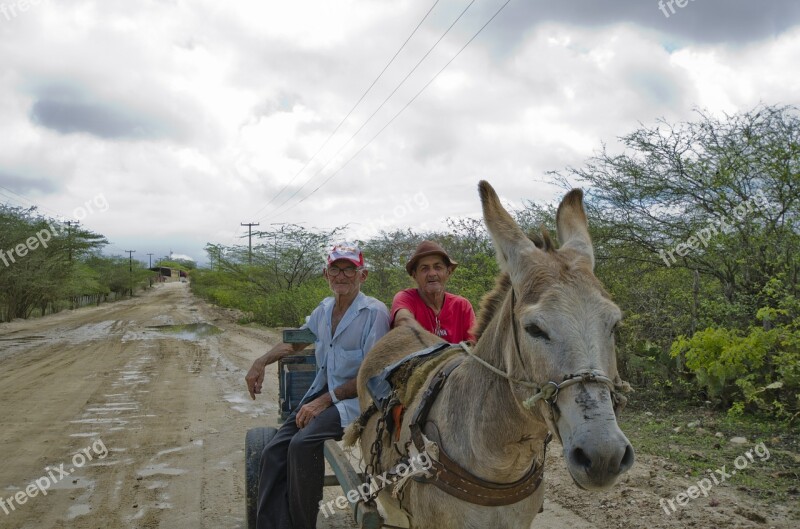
point(509, 239)
point(572, 226)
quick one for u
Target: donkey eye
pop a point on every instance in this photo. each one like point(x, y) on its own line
point(615, 330)
point(536, 332)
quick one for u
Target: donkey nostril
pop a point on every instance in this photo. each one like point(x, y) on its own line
point(580, 458)
point(627, 460)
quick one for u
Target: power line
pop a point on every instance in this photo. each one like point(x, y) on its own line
point(15, 193)
point(402, 109)
point(419, 24)
point(352, 137)
point(16, 202)
point(59, 217)
point(29, 201)
point(360, 99)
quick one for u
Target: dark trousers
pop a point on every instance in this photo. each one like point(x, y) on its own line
point(293, 472)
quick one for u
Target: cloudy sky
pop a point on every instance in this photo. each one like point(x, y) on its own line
point(164, 124)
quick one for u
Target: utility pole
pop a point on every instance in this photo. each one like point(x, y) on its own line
point(250, 239)
point(130, 269)
point(150, 276)
point(69, 224)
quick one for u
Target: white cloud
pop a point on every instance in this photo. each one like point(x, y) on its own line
point(191, 117)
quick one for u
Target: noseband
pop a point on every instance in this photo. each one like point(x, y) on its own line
point(548, 391)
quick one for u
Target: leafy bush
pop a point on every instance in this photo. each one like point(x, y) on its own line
point(289, 308)
point(757, 370)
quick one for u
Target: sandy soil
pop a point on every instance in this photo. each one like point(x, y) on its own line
point(163, 419)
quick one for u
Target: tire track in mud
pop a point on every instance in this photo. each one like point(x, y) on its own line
point(86, 383)
point(171, 412)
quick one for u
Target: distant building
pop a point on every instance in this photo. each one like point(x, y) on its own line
point(169, 275)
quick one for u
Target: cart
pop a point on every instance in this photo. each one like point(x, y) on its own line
point(295, 375)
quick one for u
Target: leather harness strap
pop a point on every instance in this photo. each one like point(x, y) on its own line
point(450, 477)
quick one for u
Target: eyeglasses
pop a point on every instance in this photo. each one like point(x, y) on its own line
point(334, 271)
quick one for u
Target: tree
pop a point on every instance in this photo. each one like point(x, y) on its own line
point(719, 196)
point(282, 283)
point(691, 223)
point(41, 261)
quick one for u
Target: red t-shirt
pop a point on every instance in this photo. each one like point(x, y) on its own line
point(454, 320)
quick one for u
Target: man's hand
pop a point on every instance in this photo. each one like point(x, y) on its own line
point(312, 409)
point(255, 377)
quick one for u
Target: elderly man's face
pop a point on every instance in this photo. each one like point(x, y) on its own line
point(337, 275)
point(432, 274)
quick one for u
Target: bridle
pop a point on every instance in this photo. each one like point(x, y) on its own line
point(548, 392)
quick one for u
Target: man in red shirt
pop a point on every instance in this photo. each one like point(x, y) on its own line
point(428, 306)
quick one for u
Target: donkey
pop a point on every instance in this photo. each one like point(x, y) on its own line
point(544, 361)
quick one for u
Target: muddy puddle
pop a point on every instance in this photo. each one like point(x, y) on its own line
point(188, 331)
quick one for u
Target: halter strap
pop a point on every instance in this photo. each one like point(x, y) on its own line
point(549, 391)
point(490, 367)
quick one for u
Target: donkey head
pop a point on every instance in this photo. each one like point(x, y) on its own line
point(561, 323)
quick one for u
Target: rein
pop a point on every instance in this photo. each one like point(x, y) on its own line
point(548, 391)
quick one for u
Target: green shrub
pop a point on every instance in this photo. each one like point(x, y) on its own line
point(756, 371)
point(288, 308)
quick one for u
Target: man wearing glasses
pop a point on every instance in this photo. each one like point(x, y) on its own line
point(346, 326)
point(429, 306)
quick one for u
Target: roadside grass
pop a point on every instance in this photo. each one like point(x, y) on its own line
point(687, 436)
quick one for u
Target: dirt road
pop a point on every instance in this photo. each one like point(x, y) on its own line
point(127, 425)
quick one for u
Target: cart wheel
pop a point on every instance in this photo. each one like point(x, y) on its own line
point(254, 443)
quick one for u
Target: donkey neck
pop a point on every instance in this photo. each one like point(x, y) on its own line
point(499, 346)
point(509, 437)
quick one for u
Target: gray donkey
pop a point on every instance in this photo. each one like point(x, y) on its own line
point(544, 361)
